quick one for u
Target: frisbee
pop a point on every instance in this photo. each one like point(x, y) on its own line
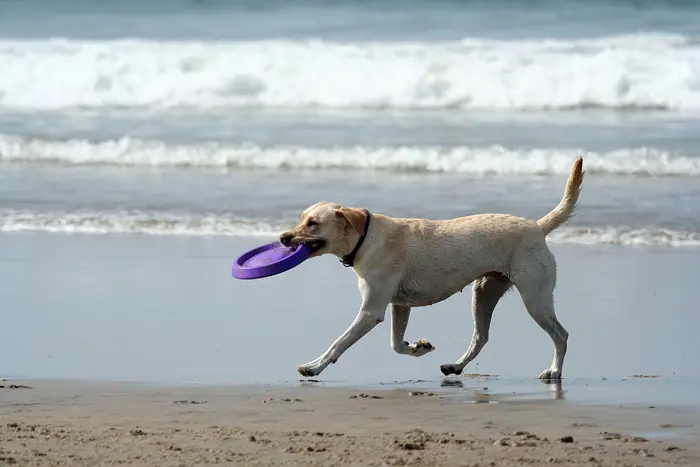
point(269, 260)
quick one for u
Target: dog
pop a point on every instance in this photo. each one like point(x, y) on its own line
point(409, 263)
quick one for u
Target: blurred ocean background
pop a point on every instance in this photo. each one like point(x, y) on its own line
point(227, 118)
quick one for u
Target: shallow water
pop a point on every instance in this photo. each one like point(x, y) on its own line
point(166, 310)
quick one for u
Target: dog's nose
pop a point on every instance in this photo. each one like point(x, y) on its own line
point(285, 239)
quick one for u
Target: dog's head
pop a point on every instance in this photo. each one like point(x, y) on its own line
point(327, 228)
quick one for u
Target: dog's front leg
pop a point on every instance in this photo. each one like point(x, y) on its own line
point(374, 302)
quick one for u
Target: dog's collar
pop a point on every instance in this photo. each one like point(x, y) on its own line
point(349, 259)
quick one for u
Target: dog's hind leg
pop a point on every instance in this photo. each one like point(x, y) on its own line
point(399, 322)
point(486, 293)
point(537, 291)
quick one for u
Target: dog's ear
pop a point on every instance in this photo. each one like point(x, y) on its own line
point(356, 218)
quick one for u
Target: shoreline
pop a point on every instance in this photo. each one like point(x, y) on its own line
point(633, 391)
point(183, 367)
point(184, 319)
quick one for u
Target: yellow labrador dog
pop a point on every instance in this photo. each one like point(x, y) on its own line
point(410, 263)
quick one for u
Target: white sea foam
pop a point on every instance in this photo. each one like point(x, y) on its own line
point(137, 222)
point(468, 160)
point(641, 71)
point(158, 223)
point(656, 237)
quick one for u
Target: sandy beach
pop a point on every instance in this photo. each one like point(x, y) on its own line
point(88, 424)
point(144, 145)
point(191, 367)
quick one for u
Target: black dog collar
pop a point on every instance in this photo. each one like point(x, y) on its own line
point(349, 259)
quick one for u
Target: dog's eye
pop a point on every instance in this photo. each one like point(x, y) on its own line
point(311, 223)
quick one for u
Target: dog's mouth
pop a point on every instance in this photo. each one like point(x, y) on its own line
point(315, 245)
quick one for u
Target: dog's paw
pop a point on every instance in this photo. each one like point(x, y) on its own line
point(307, 370)
point(550, 375)
point(420, 348)
point(451, 369)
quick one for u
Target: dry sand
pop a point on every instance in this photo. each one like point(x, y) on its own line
point(89, 424)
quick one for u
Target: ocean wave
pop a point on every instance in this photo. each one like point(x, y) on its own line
point(645, 71)
point(429, 159)
point(138, 222)
point(158, 223)
point(623, 236)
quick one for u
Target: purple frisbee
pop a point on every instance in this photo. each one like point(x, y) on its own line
point(268, 260)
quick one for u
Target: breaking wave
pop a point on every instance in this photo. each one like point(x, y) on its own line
point(645, 71)
point(159, 223)
point(137, 222)
point(466, 160)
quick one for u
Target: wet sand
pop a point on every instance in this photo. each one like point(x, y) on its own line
point(79, 423)
point(93, 312)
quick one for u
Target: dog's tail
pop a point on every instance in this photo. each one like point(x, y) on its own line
point(566, 206)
